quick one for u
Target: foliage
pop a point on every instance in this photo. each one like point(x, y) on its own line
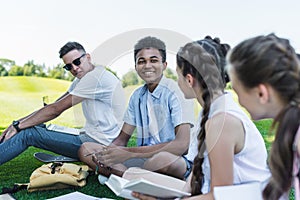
point(9, 68)
point(57, 72)
point(31, 69)
point(170, 74)
point(3, 71)
point(15, 71)
point(6, 63)
point(130, 78)
point(228, 86)
point(115, 73)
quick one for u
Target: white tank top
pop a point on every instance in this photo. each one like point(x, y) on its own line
point(250, 164)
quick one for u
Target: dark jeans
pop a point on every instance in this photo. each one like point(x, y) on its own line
point(60, 143)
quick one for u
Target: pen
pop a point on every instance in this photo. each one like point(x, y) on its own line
point(92, 153)
point(104, 149)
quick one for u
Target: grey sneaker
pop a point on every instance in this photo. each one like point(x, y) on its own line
point(102, 179)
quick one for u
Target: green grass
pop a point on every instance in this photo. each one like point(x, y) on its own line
point(19, 96)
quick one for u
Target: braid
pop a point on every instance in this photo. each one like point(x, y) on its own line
point(205, 61)
point(198, 177)
point(286, 122)
point(281, 155)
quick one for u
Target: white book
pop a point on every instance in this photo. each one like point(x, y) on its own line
point(78, 196)
point(6, 197)
point(246, 191)
point(63, 129)
point(123, 188)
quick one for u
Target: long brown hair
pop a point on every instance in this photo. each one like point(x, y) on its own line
point(204, 60)
point(272, 60)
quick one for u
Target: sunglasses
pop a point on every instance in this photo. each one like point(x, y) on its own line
point(76, 62)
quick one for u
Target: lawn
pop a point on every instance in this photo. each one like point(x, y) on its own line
point(20, 96)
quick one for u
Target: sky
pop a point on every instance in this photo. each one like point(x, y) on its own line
point(108, 29)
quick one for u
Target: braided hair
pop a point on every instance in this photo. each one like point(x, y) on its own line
point(204, 60)
point(272, 60)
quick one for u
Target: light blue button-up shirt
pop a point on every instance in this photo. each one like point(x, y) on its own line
point(170, 107)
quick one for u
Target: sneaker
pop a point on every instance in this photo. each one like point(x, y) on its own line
point(102, 179)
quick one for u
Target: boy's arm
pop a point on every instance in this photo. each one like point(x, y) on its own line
point(178, 146)
point(44, 114)
point(124, 135)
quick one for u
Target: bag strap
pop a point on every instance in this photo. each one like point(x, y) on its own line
point(14, 189)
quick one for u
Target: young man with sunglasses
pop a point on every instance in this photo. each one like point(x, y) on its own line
point(103, 103)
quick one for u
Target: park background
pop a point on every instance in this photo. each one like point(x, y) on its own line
point(20, 95)
point(32, 32)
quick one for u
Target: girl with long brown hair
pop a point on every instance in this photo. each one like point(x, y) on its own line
point(265, 73)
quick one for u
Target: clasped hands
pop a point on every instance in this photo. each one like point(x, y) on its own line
point(110, 155)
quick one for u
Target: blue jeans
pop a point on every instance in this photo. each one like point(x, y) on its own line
point(60, 143)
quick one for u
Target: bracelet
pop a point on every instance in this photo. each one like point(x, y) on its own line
point(96, 170)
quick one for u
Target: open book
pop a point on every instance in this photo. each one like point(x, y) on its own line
point(63, 129)
point(123, 188)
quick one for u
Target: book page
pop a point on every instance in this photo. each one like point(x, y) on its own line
point(123, 188)
point(247, 191)
point(78, 196)
point(63, 129)
point(116, 184)
point(154, 177)
point(6, 197)
point(146, 187)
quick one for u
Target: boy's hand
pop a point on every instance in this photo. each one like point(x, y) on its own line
point(8, 133)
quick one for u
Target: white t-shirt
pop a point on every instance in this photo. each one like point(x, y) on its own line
point(104, 104)
point(251, 163)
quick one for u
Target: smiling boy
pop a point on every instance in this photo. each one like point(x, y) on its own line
point(160, 113)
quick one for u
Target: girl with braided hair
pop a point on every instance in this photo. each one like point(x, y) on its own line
point(230, 148)
point(265, 73)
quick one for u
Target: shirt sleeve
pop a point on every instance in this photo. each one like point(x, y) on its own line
point(97, 84)
point(130, 116)
point(182, 110)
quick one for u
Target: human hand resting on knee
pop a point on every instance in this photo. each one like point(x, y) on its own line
point(112, 155)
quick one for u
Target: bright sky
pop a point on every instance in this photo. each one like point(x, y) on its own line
point(36, 29)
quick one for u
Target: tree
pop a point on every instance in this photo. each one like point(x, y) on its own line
point(57, 72)
point(3, 71)
point(170, 74)
point(6, 63)
point(130, 78)
point(16, 71)
point(40, 70)
point(115, 73)
point(31, 69)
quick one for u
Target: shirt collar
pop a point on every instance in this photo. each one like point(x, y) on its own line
point(158, 90)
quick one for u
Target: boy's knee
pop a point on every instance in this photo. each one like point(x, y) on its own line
point(84, 150)
point(159, 162)
point(161, 157)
